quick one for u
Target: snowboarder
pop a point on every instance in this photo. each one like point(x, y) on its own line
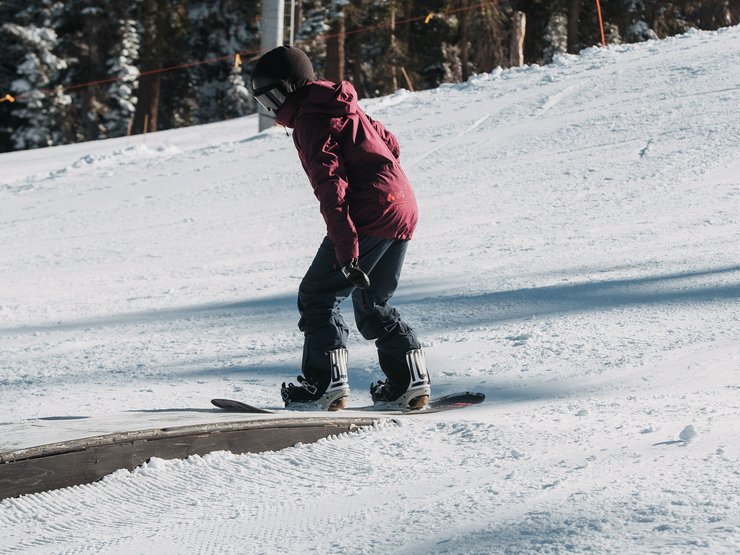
point(370, 212)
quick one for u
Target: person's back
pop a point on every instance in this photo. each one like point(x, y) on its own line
point(334, 137)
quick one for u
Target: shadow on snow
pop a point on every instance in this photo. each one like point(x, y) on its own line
point(594, 296)
point(456, 310)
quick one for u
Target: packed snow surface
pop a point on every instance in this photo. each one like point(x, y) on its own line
point(577, 260)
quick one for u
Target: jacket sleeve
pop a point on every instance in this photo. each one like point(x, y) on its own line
point(321, 159)
point(388, 137)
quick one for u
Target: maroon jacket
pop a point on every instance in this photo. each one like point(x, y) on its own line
point(352, 163)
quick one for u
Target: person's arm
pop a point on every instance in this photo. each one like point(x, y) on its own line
point(321, 159)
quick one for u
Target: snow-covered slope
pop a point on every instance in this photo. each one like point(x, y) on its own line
point(577, 260)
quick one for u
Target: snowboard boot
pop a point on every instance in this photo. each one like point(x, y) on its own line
point(312, 394)
point(407, 388)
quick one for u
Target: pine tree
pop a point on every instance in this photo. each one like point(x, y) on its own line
point(634, 21)
point(122, 66)
point(164, 98)
point(556, 36)
point(238, 101)
point(431, 47)
point(86, 34)
point(32, 72)
point(335, 46)
point(355, 44)
point(312, 30)
point(490, 30)
point(217, 31)
point(539, 13)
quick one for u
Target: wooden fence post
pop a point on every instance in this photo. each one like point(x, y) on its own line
point(516, 52)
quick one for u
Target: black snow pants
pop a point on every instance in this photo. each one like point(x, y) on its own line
point(324, 287)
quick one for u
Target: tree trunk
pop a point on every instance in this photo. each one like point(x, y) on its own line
point(574, 13)
point(335, 50)
point(493, 15)
point(298, 16)
point(464, 39)
point(354, 45)
point(154, 102)
point(89, 125)
point(147, 107)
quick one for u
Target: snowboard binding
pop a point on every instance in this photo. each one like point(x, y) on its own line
point(310, 395)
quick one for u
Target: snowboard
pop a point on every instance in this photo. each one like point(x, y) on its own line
point(438, 404)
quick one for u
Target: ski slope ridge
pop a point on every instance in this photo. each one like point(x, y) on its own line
point(576, 260)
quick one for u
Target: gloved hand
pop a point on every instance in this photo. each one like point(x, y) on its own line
point(352, 272)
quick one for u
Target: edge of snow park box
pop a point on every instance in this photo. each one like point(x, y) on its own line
point(83, 461)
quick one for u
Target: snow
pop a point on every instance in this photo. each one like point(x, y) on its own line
point(577, 260)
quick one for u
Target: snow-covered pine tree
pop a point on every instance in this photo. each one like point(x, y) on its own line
point(217, 30)
point(385, 46)
point(37, 117)
point(164, 97)
point(8, 71)
point(633, 21)
point(311, 31)
point(430, 50)
point(489, 31)
point(87, 31)
point(238, 101)
point(122, 65)
point(452, 63)
point(556, 36)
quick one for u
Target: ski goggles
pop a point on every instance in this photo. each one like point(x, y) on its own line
point(271, 98)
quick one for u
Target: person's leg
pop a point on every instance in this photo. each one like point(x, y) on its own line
point(399, 351)
point(320, 294)
point(321, 291)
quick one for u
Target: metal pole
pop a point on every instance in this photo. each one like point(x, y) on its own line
point(292, 22)
point(271, 31)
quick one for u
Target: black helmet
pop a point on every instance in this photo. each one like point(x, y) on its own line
point(278, 73)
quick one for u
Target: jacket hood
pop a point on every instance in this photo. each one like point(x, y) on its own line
point(318, 97)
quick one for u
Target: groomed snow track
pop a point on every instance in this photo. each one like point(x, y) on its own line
point(86, 460)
